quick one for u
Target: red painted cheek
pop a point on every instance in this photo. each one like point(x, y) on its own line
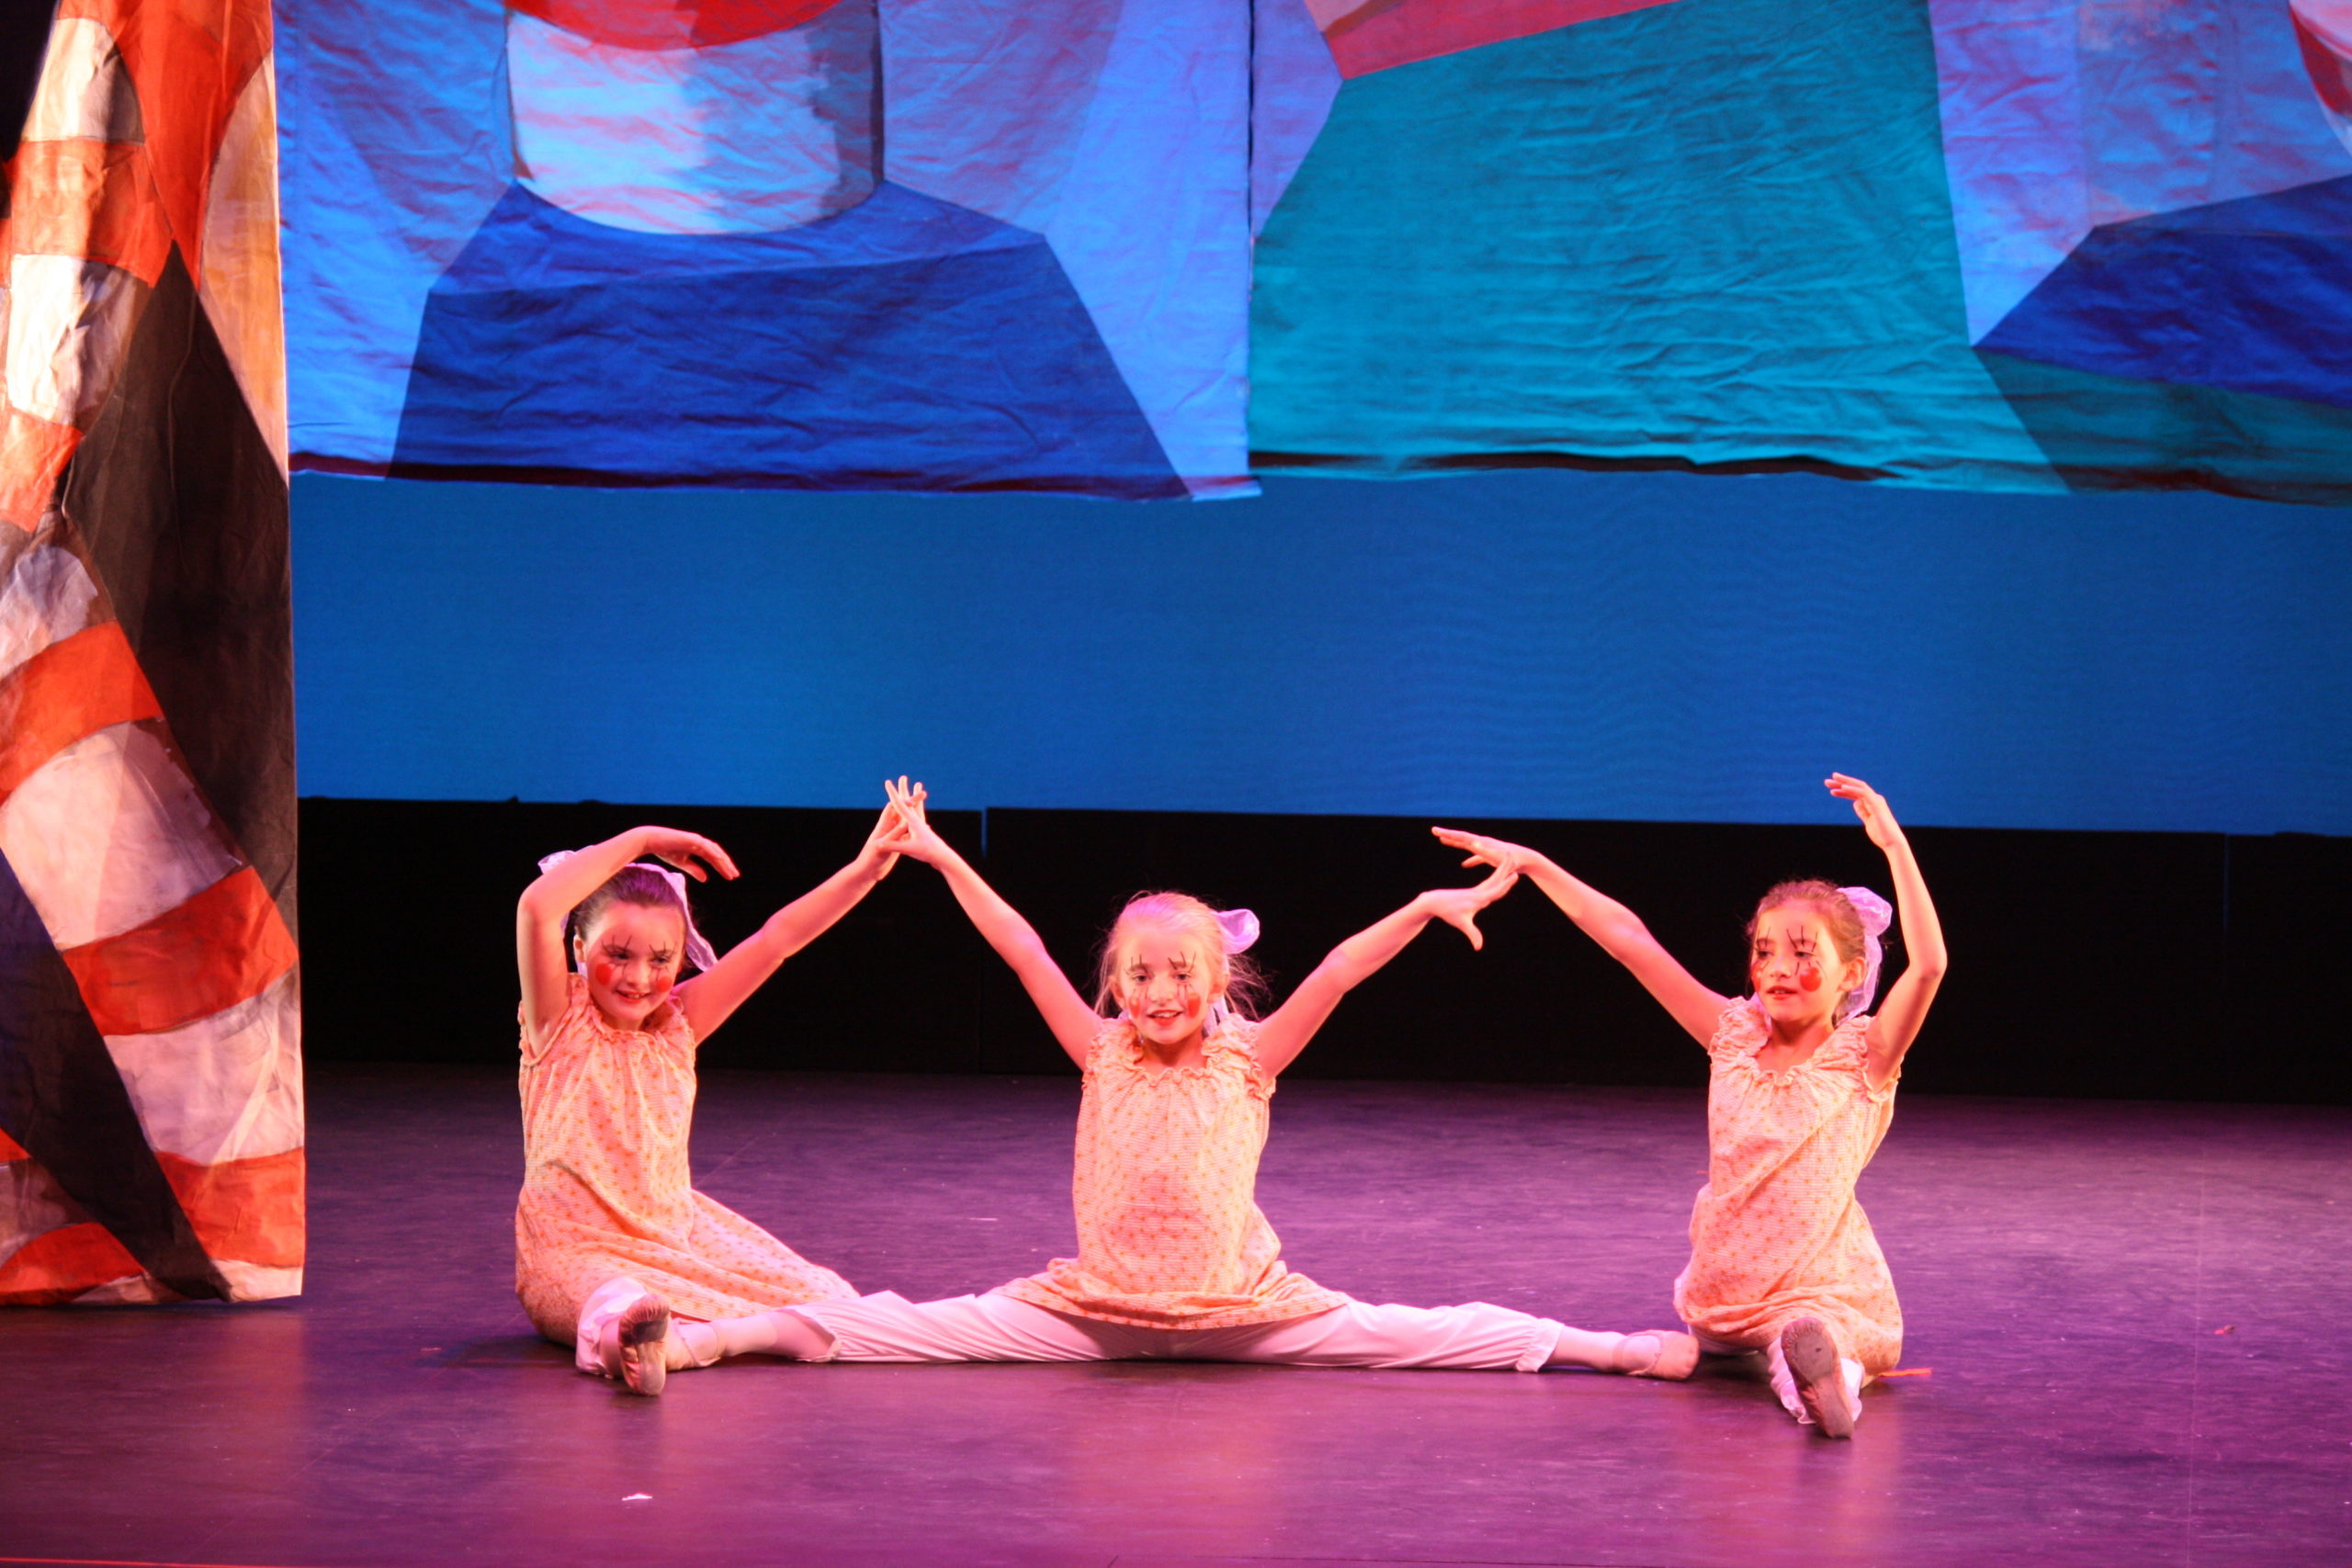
point(1809, 977)
point(601, 974)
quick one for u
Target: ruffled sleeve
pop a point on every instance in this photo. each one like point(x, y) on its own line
point(1739, 1034)
point(568, 1023)
point(1237, 1042)
point(1113, 1046)
point(1848, 1051)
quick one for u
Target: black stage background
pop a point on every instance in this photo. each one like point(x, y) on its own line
point(2131, 966)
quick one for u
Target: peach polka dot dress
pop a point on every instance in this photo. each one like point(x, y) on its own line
point(1777, 1233)
point(1169, 1235)
point(606, 1188)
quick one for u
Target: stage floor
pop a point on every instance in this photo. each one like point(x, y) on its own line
point(2136, 1316)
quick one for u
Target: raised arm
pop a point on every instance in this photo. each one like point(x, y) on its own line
point(539, 915)
point(710, 1000)
point(1073, 1023)
point(1285, 1034)
point(1896, 1022)
point(1618, 930)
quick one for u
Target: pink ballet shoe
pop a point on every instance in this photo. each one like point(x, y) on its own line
point(634, 1346)
point(1676, 1358)
point(1812, 1356)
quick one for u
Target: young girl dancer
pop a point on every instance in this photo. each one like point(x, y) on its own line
point(611, 1240)
point(1782, 1259)
point(1175, 1260)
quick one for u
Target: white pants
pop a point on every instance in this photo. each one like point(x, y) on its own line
point(888, 1327)
point(1776, 1366)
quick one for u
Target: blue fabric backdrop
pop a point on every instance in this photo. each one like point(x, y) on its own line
point(1543, 645)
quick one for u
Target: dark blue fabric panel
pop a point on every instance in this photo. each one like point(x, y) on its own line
point(857, 353)
point(2251, 296)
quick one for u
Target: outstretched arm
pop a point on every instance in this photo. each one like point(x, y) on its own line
point(539, 915)
point(1618, 930)
point(1285, 1034)
point(710, 1000)
point(1897, 1021)
point(1073, 1023)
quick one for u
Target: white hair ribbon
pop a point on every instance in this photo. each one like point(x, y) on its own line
point(698, 952)
point(1241, 929)
point(1877, 915)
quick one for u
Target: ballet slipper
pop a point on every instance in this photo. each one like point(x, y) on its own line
point(692, 1345)
point(1812, 1357)
point(1675, 1355)
point(634, 1347)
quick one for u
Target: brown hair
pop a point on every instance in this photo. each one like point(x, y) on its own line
point(1836, 911)
point(630, 884)
point(1233, 973)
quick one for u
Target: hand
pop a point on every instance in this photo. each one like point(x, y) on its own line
point(906, 830)
point(1459, 907)
point(1878, 820)
point(1496, 853)
point(687, 852)
point(877, 855)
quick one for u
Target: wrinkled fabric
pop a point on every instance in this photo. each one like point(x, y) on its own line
point(2059, 244)
point(850, 246)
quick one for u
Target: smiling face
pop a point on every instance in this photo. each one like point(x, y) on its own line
point(1166, 983)
point(1794, 965)
point(630, 955)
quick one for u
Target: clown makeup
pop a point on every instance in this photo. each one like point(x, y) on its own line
point(1166, 986)
point(630, 958)
point(1795, 967)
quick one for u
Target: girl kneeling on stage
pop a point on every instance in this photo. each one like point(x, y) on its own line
point(611, 1239)
point(1783, 1264)
point(1175, 1260)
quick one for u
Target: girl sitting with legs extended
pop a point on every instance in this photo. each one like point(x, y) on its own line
point(1783, 1264)
point(615, 1252)
point(1174, 1259)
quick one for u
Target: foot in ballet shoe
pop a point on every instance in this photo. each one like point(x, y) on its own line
point(1666, 1354)
point(635, 1346)
point(1812, 1356)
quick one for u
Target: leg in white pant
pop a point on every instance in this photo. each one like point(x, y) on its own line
point(887, 1327)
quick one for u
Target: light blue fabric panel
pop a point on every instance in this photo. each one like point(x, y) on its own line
point(1557, 645)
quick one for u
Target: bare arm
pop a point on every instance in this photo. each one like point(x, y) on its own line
point(1285, 1034)
point(539, 915)
point(1896, 1024)
point(710, 1000)
point(1073, 1023)
point(1618, 930)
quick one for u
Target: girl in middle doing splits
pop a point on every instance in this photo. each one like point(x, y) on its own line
point(1175, 1260)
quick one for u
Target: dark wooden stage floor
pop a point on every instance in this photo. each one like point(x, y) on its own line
point(2137, 1315)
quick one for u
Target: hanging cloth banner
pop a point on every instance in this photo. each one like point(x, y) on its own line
point(2065, 243)
point(151, 1098)
point(826, 244)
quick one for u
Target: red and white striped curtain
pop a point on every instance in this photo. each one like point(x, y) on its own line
point(151, 1099)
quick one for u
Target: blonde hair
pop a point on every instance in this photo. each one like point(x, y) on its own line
point(1196, 922)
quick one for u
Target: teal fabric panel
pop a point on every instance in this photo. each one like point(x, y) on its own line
point(1710, 233)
